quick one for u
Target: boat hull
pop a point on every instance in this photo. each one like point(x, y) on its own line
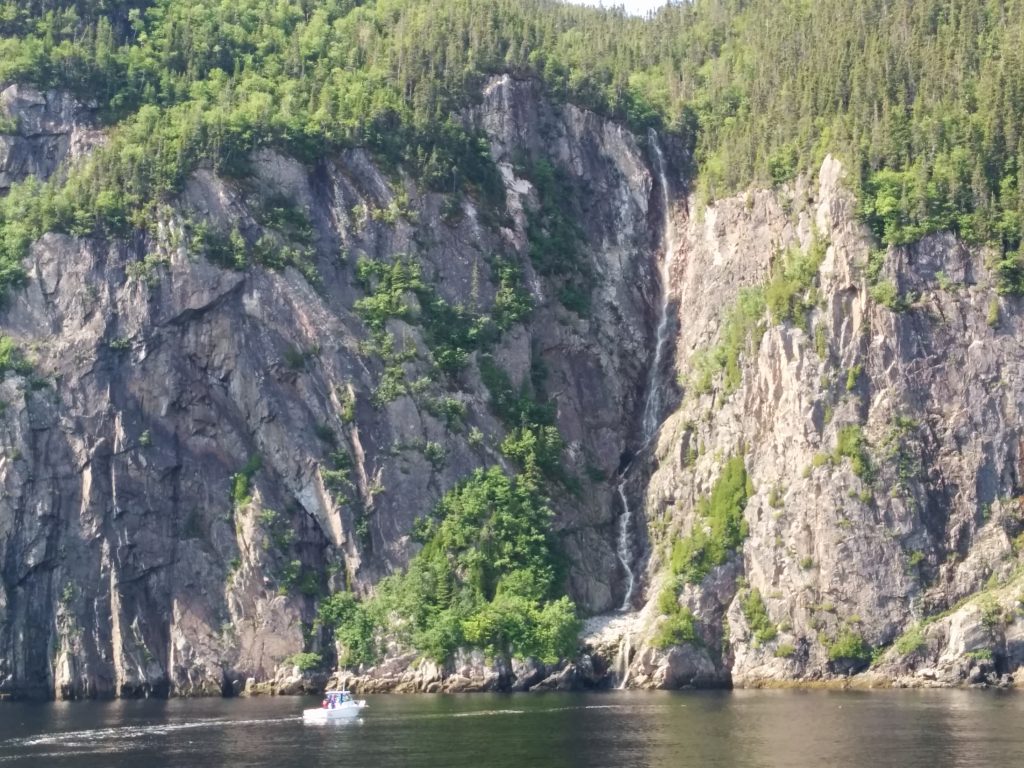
point(347, 711)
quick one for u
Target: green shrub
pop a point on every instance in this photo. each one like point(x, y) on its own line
point(821, 340)
point(756, 614)
point(306, 662)
point(742, 329)
point(852, 444)
point(849, 646)
point(992, 318)
point(852, 377)
point(676, 629)
point(555, 238)
point(719, 526)
point(785, 650)
point(240, 482)
point(910, 642)
point(11, 358)
point(888, 295)
point(788, 294)
point(487, 576)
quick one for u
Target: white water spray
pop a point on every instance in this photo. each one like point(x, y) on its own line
point(653, 403)
point(624, 550)
point(653, 392)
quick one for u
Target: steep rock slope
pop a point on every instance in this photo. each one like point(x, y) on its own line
point(203, 446)
point(876, 406)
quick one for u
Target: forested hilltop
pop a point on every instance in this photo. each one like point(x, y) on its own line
point(923, 100)
point(396, 331)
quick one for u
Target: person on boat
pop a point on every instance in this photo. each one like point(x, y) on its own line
point(324, 703)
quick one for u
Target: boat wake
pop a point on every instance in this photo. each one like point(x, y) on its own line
point(129, 732)
point(491, 713)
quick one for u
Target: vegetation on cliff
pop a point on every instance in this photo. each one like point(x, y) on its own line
point(487, 577)
point(922, 98)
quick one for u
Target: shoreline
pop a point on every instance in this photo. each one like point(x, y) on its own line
point(854, 684)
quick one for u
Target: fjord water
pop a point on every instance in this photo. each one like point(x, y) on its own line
point(909, 729)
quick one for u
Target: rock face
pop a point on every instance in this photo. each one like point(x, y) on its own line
point(846, 553)
point(50, 130)
point(471, 672)
point(202, 449)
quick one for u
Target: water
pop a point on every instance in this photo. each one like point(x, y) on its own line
point(623, 549)
point(653, 393)
point(653, 404)
point(903, 729)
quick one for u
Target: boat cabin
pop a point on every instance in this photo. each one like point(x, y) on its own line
point(334, 699)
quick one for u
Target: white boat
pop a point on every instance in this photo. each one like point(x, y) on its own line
point(337, 705)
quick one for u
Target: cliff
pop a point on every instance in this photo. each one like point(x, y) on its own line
point(200, 450)
point(198, 445)
point(875, 406)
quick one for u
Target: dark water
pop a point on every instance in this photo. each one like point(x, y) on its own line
point(744, 728)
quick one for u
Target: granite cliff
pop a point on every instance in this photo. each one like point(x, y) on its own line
point(195, 450)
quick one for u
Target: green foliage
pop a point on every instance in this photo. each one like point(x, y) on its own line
point(676, 629)
point(306, 662)
point(555, 237)
point(537, 450)
point(852, 444)
point(719, 527)
point(393, 288)
point(992, 317)
point(945, 284)
point(789, 294)
point(886, 293)
point(352, 627)
point(241, 481)
point(678, 626)
point(849, 646)
point(346, 405)
point(487, 577)
point(853, 376)
point(821, 340)
point(910, 642)
point(756, 614)
point(280, 534)
point(991, 612)
point(452, 331)
point(511, 302)
point(1009, 269)
point(11, 358)
point(983, 654)
point(926, 113)
point(785, 650)
point(435, 454)
point(741, 333)
point(514, 407)
point(145, 270)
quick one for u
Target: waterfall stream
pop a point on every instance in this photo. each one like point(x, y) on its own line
point(653, 400)
point(653, 404)
point(624, 550)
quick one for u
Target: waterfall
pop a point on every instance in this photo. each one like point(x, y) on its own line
point(622, 659)
point(653, 404)
point(653, 401)
point(624, 550)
